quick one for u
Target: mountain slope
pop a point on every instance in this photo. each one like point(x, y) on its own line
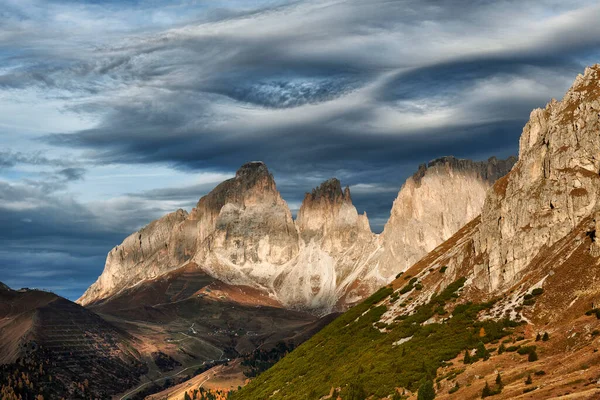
point(242, 234)
point(42, 335)
point(529, 265)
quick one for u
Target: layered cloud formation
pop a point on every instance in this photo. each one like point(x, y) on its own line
point(113, 113)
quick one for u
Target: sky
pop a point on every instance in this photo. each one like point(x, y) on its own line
point(114, 113)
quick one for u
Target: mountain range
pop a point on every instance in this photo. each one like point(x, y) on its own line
point(243, 234)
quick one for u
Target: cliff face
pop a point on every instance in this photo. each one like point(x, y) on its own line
point(552, 188)
point(434, 204)
point(242, 233)
point(336, 244)
point(142, 255)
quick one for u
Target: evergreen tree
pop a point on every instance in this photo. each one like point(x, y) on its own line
point(467, 359)
point(426, 391)
point(486, 391)
point(528, 381)
point(482, 351)
point(502, 348)
point(499, 380)
point(538, 337)
point(186, 396)
point(532, 356)
point(546, 337)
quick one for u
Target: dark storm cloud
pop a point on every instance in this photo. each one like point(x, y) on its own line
point(72, 174)
point(10, 159)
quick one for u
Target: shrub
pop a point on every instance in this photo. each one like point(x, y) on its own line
point(482, 352)
point(528, 381)
point(528, 296)
point(454, 389)
point(399, 275)
point(540, 373)
point(526, 350)
point(443, 269)
point(594, 311)
point(529, 302)
point(537, 291)
point(510, 349)
point(532, 356)
point(531, 389)
point(426, 391)
point(487, 392)
point(502, 348)
point(467, 358)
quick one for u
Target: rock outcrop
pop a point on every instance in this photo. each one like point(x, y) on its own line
point(552, 188)
point(337, 246)
point(434, 204)
point(242, 233)
point(539, 223)
point(142, 255)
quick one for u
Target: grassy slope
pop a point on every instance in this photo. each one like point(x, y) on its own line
point(351, 352)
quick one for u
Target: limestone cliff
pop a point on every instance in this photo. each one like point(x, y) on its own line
point(337, 245)
point(142, 255)
point(552, 188)
point(539, 224)
point(434, 204)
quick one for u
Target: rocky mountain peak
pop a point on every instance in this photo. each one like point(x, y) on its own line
point(330, 191)
point(328, 208)
point(252, 183)
point(252, 172)
point(489, 170)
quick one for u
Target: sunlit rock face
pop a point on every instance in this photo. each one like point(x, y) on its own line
point(553, 186)
point(142, 255)
point(337, 246)
point(432, 205)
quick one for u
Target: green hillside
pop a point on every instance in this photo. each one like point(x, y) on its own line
point(353, 354)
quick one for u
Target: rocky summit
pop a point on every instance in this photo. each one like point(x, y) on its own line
point(242, 233)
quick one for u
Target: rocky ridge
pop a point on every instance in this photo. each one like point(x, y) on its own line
point(243, 233)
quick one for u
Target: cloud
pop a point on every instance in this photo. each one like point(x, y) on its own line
point(72, 174)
